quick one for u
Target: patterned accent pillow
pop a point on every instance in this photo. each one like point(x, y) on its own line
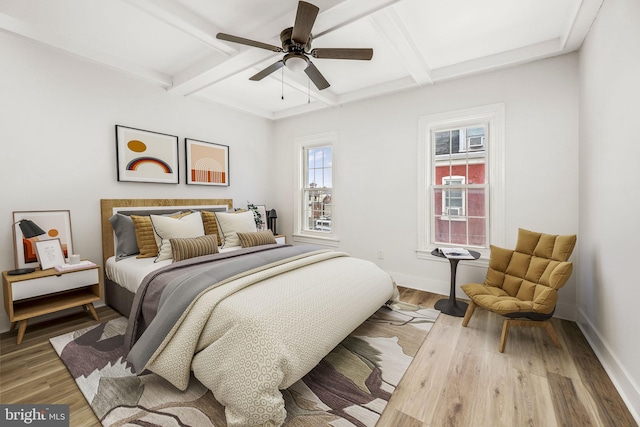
point(145, 237)
point(190, 248)
point(210, 224)
point(256, 239)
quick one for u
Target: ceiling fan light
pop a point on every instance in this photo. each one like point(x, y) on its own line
point(296, 63)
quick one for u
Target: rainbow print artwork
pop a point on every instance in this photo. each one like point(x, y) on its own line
point(135, 163)
point(145, 156)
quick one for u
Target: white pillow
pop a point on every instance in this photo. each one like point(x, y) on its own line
point(232, 223)
point(166, 228)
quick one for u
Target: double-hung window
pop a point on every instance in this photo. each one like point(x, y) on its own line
point(315, 214)
point(461, 190)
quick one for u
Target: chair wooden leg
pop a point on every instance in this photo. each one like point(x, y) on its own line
point(506, 324)
point(467, 315)
point(545, 324)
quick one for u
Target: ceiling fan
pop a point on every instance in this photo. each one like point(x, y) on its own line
point(296, 45)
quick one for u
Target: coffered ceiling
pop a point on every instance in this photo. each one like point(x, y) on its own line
point(173, 44)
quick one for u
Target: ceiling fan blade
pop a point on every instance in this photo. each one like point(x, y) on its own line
point(305, 18)
point(362, 54)
point(270, 69)
point(316, 77)
point(240, 40)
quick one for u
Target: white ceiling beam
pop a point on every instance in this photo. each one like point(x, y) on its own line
point(393, 86)
point(580, 23)
point(298, 110)
point(391, 27)
point(239, 105)
point(189, 82)
point(185, 20)
point(346, 13)
point(324, 96)
point(499, 60)
point(18, 27)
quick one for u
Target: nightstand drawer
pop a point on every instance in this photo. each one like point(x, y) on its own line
point(50, 284)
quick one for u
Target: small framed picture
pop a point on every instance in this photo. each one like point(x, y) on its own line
point(263, 217)
point(207, 163)
point(49, 253)
point(54, 224)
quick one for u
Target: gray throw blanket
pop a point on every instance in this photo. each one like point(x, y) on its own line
point(166, 293)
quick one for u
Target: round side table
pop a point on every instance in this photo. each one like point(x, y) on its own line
point(450, 305)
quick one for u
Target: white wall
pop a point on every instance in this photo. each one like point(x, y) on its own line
point(609, 151)
point(376, 166)
point(57, 139)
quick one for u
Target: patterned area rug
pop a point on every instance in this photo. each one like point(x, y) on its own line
point(349, 387)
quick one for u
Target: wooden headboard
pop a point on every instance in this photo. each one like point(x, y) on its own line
point(107, 207)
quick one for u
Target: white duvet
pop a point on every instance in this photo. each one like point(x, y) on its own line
point(259, 334)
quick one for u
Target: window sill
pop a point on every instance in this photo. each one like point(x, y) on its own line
point(318, 240)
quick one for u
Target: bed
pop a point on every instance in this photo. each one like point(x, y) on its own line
point(247, 322)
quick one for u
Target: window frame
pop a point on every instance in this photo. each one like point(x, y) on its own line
point(300, 234)
point(493, 116)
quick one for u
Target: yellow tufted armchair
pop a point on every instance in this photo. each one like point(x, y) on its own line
point(522, 284)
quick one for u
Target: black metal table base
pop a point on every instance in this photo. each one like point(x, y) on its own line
point(450, 305)
point(452, 308)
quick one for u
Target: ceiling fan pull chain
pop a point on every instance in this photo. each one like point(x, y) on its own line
point(308, 90)
point(282, 80)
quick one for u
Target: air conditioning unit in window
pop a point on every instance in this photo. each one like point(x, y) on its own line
point(475, 142)
point(454, 211)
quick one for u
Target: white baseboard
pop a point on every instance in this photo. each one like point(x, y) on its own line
point(629, 391)
point(565, 311)
point(421, 283)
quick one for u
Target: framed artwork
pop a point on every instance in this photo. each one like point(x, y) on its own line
point(55, 224)
point(206, 163)
point(263, 217)
point(49, 253)
point(145, 156)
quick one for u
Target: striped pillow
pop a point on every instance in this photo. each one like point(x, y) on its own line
point(182, 249)
point(210, 224)
point(256, 238)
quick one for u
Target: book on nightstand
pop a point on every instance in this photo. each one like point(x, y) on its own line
point(69, 267)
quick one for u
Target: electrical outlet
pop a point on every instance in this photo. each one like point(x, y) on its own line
point(380, 254)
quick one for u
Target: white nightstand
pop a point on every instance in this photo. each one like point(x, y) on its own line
point(47, 291)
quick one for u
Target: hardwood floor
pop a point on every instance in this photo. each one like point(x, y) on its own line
point(457, 379)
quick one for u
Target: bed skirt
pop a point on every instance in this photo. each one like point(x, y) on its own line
point(118, 298)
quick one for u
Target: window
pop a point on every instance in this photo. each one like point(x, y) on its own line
point(453, 200)
point(461, 193)
point(315, 200)
point(317, 189)
point(459, 186)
